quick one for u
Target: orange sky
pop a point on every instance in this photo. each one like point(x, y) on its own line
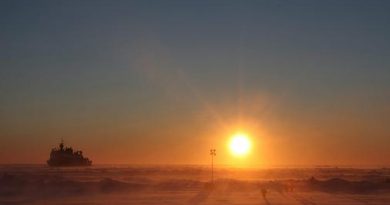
point(280, 137)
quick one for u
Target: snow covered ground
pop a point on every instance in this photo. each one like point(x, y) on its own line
point(191, 185)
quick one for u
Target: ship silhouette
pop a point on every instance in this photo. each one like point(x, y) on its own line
point(65, 156)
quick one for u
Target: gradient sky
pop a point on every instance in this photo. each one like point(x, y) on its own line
point(164, 81)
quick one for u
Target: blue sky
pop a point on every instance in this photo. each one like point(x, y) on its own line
point(118, 71)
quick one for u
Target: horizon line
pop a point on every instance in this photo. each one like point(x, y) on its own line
point(380, 166)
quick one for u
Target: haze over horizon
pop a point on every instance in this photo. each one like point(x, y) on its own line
point(162, 83)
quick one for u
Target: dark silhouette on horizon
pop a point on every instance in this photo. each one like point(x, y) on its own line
point(65, 156)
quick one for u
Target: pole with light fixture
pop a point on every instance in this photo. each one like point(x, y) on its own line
point(213, 154)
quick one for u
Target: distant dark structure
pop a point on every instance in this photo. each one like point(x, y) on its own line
point(61, 156)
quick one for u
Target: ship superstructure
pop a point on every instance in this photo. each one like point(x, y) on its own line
point(65, 156)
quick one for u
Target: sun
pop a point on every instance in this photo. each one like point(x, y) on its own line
point(240, 145)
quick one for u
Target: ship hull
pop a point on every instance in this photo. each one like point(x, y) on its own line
point(68, 163)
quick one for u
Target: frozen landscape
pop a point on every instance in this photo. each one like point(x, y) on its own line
point(39, 184)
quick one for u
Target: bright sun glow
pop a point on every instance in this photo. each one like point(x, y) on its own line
point(240, 144)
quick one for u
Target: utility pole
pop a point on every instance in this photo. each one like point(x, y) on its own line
point(213, 154)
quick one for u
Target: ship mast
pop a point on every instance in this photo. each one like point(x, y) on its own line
point(62, 144)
